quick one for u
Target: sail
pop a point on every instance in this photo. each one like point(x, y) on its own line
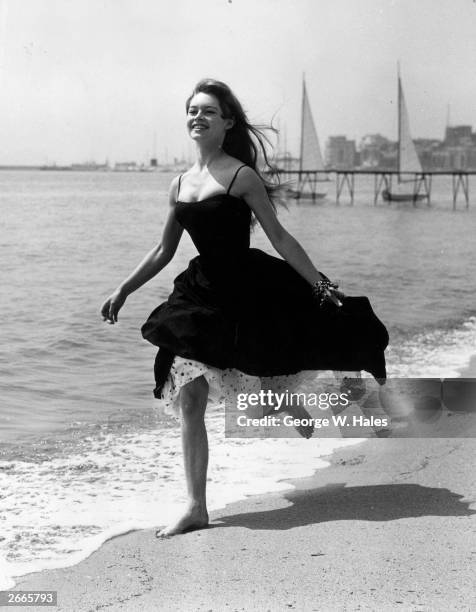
point(311, 158)
point(408, 160)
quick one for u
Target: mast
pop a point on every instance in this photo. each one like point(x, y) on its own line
point(302, 121)
point(399, 160)
point(286, 160)
point(447, 121)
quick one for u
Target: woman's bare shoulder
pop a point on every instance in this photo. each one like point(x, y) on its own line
point(176, 180)
point(247, 177)
point(174, 187)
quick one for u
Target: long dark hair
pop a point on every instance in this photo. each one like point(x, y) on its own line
point(244, 141)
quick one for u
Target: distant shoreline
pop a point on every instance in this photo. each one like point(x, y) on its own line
point(99, 169)
point(20, 167)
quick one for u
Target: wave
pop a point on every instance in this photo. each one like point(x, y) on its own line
point(64, 499)
point(439, 351)
point(61, 509)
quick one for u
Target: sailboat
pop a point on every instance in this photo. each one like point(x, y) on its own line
point(310, 156)
point(408, 160)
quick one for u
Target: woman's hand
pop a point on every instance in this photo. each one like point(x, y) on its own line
point(324, 290)
point(334, 296)
point(112, 305)
point(329, 294)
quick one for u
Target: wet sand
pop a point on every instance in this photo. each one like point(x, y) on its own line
point(389, 525)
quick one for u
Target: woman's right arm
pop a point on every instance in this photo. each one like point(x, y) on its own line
point(151, 265)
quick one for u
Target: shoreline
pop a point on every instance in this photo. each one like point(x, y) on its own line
point(318, 460)
point(384, 526)
point(448, 345)
point(452, 427)
point(353, 455)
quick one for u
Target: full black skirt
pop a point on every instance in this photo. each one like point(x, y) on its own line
point(258, 315)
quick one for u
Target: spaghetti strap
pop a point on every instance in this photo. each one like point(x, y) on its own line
point(233, 179)
point(178, 188)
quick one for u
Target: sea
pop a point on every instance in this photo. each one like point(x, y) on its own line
point(84, 453)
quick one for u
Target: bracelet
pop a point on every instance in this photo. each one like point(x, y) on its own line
point(320, 288)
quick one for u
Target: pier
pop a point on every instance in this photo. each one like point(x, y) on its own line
point(384, 180)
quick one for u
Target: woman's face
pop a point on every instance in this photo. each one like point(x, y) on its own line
point(205, 121)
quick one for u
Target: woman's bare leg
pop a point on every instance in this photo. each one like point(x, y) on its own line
point(193, 400)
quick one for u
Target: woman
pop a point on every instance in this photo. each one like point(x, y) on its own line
point(237, 313)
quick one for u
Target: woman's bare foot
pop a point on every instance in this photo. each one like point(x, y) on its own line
point(299, 412)
point(194, 517)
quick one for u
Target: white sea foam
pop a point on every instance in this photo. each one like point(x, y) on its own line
point(57, 512)
point(61, 365)
point(440, 353)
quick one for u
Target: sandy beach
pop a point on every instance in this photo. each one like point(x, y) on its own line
point(389, 525)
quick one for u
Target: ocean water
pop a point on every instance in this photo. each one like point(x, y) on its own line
point(84, 454)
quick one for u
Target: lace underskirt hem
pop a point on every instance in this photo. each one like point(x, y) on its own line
point(223, 385)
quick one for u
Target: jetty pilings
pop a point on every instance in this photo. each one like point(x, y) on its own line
point(422, 182)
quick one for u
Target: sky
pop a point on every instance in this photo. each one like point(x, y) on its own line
point(97, 79)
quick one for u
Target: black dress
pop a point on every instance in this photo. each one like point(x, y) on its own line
point(236, 308)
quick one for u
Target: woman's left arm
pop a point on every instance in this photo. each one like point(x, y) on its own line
point(254, 193)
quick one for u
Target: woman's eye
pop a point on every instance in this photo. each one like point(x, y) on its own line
point(207, 112)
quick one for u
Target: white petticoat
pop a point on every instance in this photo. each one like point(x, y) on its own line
point(223, 385)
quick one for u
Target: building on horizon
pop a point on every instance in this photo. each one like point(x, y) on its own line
point(129, 166)
point(340, 153)
point(459, 135)
point(374, 148)
point(456, 152)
